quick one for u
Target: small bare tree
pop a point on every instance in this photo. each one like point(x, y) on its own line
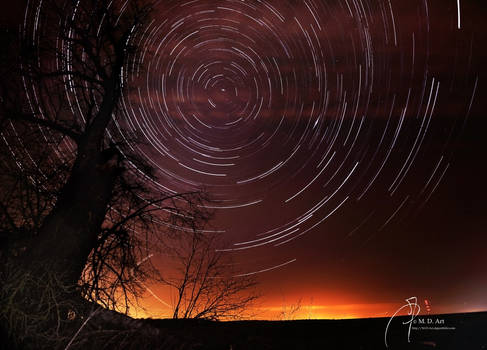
point(289, 312)
point(204, 280)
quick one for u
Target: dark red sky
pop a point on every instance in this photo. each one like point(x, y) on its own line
point(341, 141)
point(418, 235)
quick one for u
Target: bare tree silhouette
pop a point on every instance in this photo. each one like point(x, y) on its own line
point(77, 212)
point(205, 281)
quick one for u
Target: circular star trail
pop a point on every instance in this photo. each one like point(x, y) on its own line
point(279, 104)
point(289, 113)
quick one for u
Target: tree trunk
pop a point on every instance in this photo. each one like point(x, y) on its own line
point(69, 232)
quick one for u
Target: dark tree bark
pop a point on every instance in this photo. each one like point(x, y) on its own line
point(83, 47)
point(76, 216)
point(79, 210)
point(69, 233)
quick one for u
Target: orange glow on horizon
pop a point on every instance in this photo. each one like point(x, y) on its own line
point(152, 307)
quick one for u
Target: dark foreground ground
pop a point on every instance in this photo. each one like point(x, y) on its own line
point(111, 330)
point(458, 331)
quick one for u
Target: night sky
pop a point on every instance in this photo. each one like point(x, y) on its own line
point(341, 143)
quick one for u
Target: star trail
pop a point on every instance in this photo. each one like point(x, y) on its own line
point(314, 126)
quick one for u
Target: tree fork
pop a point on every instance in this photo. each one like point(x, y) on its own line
point(69, 232)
